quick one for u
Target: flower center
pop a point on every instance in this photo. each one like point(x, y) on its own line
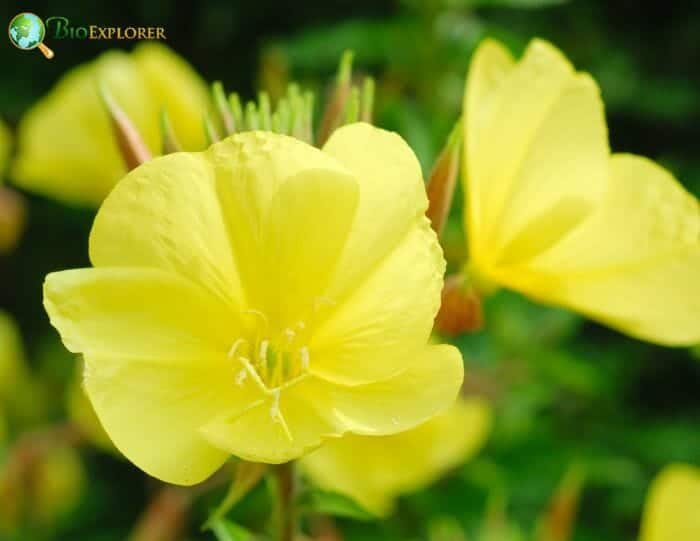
point(273, 359)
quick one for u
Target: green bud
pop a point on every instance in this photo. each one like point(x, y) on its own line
point(223, 108)
point(169, 141)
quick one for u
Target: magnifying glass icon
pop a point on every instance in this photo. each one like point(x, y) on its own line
point(27, 32)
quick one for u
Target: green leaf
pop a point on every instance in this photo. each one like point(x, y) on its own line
point(225, 530)
point(332, 503)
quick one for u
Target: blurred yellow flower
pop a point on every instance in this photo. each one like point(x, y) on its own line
point(552, 214)
point(374, 471)
point(66, 148)
point(257, 299)
point(671, 509)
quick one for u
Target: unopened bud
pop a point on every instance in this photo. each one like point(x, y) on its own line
point(265, 111)
point(169, 141)
point(133, 150)
point(460, 311)
point(367, 100)
point(234, 102)
point(223, 108)
point(210, 131)
point(442, 180)
point(335, 109)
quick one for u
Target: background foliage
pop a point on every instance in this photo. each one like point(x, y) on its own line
point(567, 392)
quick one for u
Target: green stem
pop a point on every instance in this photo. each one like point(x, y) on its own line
point(286, 517)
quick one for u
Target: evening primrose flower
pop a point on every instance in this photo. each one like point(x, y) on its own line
point(552, 214)
point(374, 471)
point(671, 509)
point(257, 299)
point(66, 147)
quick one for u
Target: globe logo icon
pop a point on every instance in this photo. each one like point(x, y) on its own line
point(27, 32)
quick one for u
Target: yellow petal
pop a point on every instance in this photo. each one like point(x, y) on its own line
point(536, 153)
point(490, 66)
point(166, 214)
point(671, 510)
point(176, 87)
point(298, 418)
point(634, 264)
point(302, 237)
point(384, 321)
point(376, 470)
point(426, 387)
point(392, 197)
point(274, 429)
point(251, 170)
point(153, 411)
point(141, 313)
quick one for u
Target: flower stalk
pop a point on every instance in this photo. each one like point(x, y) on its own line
point(285, 488)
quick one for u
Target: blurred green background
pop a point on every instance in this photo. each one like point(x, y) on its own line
point(566, 391)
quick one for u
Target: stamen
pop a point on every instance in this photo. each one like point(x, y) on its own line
point(304, 355)
point(271, 362)
point(234, 347)
point(263, 350)
point(275, 407)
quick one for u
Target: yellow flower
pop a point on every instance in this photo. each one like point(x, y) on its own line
point(374, 471)
point(66, 148)
point(257, 299)
point(671, 510)
point(552, 214)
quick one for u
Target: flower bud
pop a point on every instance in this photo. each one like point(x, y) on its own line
point(460, 310)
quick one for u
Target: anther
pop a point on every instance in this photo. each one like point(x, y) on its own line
point(242, 375)
point(289, 334)
point(263, 350)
